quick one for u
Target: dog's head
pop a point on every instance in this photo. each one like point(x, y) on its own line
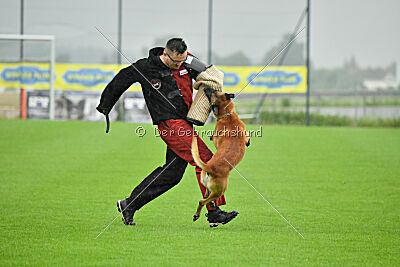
point(220, 102)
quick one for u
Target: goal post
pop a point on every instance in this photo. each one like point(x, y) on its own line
point(48, 38)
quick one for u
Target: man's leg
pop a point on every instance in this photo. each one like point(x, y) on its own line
point(158, 182)
point(179, 139)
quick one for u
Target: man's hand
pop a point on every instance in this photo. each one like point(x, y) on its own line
point(102, 110)
point(105, 112)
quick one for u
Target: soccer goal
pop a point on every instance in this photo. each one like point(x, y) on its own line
point(41, 38)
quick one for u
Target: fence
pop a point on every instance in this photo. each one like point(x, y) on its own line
point(72, 105)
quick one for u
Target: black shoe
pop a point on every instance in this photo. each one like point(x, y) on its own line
point(217, 217)
point(127, 214)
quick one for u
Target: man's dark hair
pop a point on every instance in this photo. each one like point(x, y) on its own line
point(176, 45)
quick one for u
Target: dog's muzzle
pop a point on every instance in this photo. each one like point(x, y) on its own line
point(215, 108)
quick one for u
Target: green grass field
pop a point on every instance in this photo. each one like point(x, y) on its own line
point(60, 180)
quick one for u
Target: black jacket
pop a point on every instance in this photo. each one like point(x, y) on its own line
point(163, 99)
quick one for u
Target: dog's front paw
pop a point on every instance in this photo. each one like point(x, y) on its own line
point(248, 143)
point(195, 217)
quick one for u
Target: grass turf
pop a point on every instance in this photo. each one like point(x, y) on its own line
point(60, 181)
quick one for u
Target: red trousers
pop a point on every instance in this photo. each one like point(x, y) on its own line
point(178, 134)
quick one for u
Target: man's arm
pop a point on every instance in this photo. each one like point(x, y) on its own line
point(118, 85)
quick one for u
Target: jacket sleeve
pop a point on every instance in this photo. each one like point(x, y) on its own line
point(118, 85)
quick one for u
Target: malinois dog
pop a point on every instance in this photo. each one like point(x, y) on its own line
point(230, 138)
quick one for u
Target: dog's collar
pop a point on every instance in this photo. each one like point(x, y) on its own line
point(226, 115)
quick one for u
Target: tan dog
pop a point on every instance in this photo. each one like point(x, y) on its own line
point(230, 138)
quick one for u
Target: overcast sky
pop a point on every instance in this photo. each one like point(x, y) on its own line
point(366, 29)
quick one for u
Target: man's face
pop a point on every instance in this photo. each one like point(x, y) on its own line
point(174, 60)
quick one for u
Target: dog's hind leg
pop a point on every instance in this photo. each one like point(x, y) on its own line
point(203, 202)
point(212, 204)
point(196, 216)
point(207, 194)
point(211, 198)
point(198, 211)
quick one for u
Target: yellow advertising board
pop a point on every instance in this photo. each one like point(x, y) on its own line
point(85, 77)
point(282, 79)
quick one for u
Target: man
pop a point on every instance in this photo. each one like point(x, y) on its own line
point(166, 81)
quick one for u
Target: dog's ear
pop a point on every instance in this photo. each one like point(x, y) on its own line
point(229, 96)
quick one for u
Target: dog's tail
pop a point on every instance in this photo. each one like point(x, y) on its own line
point(196, 155)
